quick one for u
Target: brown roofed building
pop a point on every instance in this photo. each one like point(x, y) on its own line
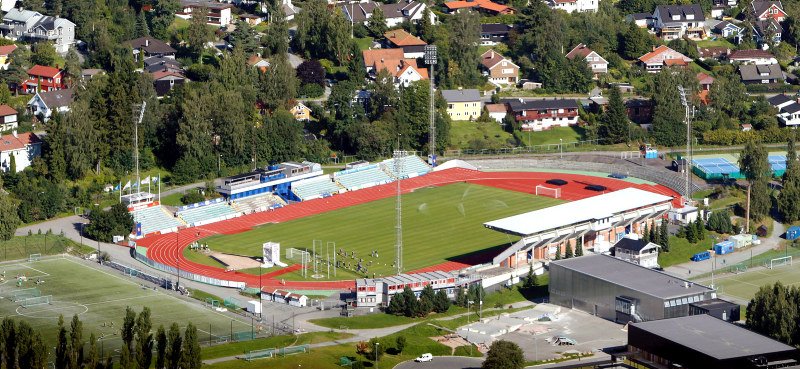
point(662, 56)
point(485, 6)
point(499, 69)
point(405, 70)
point(593, 59)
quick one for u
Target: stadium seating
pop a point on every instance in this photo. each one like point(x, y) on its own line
point(313, 188)
point(155, 219)
point(410, 166)
point(363, 178)
point(257, 203)
point(208, 212)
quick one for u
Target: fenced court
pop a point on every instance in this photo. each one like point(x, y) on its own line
point(723, 166)
point(67, 286)
point(272, 352)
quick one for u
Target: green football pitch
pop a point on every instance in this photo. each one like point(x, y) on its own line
point(439, 224)
point(743, 286)
point(99, 297)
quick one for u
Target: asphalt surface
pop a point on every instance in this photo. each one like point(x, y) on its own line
point(444, 362)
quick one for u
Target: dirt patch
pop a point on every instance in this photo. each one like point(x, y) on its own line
point(452, 341)
point(235, 262)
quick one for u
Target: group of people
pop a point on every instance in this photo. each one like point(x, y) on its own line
point(195, 246)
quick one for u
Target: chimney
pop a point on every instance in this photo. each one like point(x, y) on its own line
point(14, 132)
point(146, 42)
point(492, 54)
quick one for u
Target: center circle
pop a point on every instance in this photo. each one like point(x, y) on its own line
point(53, 310)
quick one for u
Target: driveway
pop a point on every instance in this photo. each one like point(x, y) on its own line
point(444, 362)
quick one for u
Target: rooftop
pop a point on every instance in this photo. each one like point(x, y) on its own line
point(659, 54)
point(56, 99)
point(151, 45)
point(632, 276)
point(7, 49)
point(19, 141)
point(631, 244)
point(779, 99)
point(43, 71)
point(750, 54)
point(541, 104)
point(577, 212)
point(495, 28)
point(6, 110)
point(759, 7)
point(751, 72)
point(713, 337)
point(580, 50)
point(399, 37)
point(691, 12)
point(461, 95)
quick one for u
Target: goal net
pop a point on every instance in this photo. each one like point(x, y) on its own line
point(34, 257)
point(297, 254)
point(778, 262)
point(547, 191)
point(19, 295)
point(35, 301)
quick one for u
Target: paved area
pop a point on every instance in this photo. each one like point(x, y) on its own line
point(444, 362)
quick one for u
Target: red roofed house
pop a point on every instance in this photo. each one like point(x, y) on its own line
point(595, 61)
point(497, 112)
point(412, 46)
point(766, 10)
point(165, 81)
point(403, 69)
point(8, 118)
point(499, 69)
point(258, 62)
point(5, 53)
point(662, 56)
point(485, 6)
point(42, 78)
point(23, 147)
point(705, 82)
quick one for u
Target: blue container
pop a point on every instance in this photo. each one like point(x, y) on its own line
point(700, 256)
point(651, 154)
point(793, 233)
point(724, 247)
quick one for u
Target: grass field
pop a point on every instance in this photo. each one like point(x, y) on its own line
point(100, 297)
point(479, 135)
point(552, 136)
point(439, 224)
point(743, 286)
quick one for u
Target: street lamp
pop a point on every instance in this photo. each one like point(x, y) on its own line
point(376, 353)
point(714, 263)
point(561, 147)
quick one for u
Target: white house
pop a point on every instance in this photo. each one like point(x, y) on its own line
point(676, 21)
point(637, 251)
point(43, 104)
point(22, 24)
point(297, 300)
point(570, 6)
point(788, 110)
point(218, 14)
point(286, 297)
point(662, 56)
point(8, 118)
point(23, 147)
point(752, 56)
point(395, 14)
point(727, 29)
point(593, 59)
point(685, 215)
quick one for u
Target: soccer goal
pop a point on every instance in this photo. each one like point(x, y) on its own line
point(20, 295)
point(547, 191)
point(35, 301)
point(34, 257)
point(778, 262)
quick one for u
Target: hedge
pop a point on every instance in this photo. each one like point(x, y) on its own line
point(727, 137)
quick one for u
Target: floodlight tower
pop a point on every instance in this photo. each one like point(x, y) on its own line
point(431, 60)
point(687, 119)
point(139, 111)
point(398, 169)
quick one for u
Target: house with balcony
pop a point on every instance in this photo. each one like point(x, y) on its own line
point(494, 33)
point(727, 29)
point(752, 56)
point(23, 147)
point(661, 57)
point(574, 6)
point(788, 110)
point(43, 78)
point(634, 250)
point(500, 70)
point(395, 13)
point(149, 47)
point(31, 26)
point(217, 14)
point(463, 104)
point(44, 104)
point(404, 70)
point(753, 74)
point(596, 63)
point(766, 31)
point(766, 10)
point(679, 21)
point(540, 115)
point(8, 118)
point(166, 80)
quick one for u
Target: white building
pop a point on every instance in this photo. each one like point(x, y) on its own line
point(678, 21)
point(596, 62)
point(8, 118)
point(373, 292)
point(21, 24)
point(569, 6)
point(395, 13)
point(23, 147)
point(45, 103)
point(540, 115)
point(637, 251)
point(219, 14)
point(788, 110)
point(684, 215)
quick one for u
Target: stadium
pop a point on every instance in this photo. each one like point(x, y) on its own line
point(341, 231)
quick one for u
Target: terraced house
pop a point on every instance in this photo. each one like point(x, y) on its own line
point(31, 26)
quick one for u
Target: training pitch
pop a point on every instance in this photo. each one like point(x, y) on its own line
point(99, 297)
point(440, 224)
point(743, 286)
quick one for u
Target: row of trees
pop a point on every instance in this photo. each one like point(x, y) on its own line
point(658, 235)
point(406, 303)
point(773, 311)
point(694, 232)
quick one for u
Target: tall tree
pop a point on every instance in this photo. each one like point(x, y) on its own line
point(504, 355)
point(162, 16)
point(789, 197)
point(663, 236)
point(338, 37)
point(244, 38)
point(144, 339)
point(76, 353)
point(198, 32)
point(279, 138)
point(377, 23)
point(128, 324)
point(190, 351)
point(384, 95)
point(9, 331)
point(161, 347)
point(142, 28)
point(31, 352)
point(9, 217)
point(92, 355)
point(279, 84)
point(44, 54)
point(668, 113)
point(173, 351)
point(754, 164)
point(277, 38)
point(614, 126)
point(635, 41)
point(462, 69)
point(311, 71)
point(62, 346)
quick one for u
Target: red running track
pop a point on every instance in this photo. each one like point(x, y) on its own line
point(166, 248)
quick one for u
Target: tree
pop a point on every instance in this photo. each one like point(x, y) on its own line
point(92, 356)
point(338, 37)
point(646, 233)
point(142, 28)
point(400, 343)
point(377, 23)
point(161, 347)
point(384, 95)
point(62, 346)
point(128, 324)
point(441, 303)
point(726, 96)
point(279, 84)
point(173, 351)
point(635, 42)
point(32, 352)
point(568, 252)
point(789, 197)
point(663, 236)
point(9, 332)
point(720, 221)
point(244, 38)
point(105, 224)
point(162, 16)
point(44, 54)
point(579, 249)
point(689, 231)
point(668, 113)
point(699, 228)
point(614, 125)
point(190, 351)
point(376, 349)
point(76, 356)
point(397, 305)
point(504, 355)
point(461, 68)
point(311, 71)
point(773, 312)
point(754, 164)
point(277, 38)
point(558, 253)
point(198, 32)
point(9, 217)
point(411, 302)
point(653, 237)
point(144, 339)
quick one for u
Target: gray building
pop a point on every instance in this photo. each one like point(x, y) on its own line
point(620, 291)
point(28, 25)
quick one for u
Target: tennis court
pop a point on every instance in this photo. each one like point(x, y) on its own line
point(724, 166)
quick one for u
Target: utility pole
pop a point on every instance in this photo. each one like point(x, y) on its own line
point(747, 211)
point(137, 121)
point(431, 60)
point(688, 120)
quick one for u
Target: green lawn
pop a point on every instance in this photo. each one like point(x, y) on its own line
point(364, 43)
point(721, 42)
point(680, 250)
point(172, 200)
point(450, 217)
point(21, 247)
point(479, 135)
point(552, 136)
point(237, 348)
point(100, 298)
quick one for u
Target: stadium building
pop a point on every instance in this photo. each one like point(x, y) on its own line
point(621, 291)
point(596, 222)
point(275, 179)
point(373, 292)
point(702, 341)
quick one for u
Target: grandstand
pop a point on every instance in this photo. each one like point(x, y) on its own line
point(258, 203)
point(154, 219)
point(204, 213)
point(362, 177)
point(411, 166)
point(314, 188)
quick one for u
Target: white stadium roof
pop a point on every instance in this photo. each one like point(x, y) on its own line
point(577, 212)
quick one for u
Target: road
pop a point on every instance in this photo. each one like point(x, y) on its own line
point(444, 362)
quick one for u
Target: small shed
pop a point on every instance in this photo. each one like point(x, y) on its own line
point(761, 231)
point(793, 233)
point(741, 240)
point(254, 307)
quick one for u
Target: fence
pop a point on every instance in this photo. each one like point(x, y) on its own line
point(140, 256)
point(272, 352)
point(535, 149)
point(133, 272)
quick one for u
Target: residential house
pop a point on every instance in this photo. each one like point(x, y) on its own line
point(301, 112)
point(148, 47)
point(217, 14)
point(678, 21)
point(161, 63)
point(413, 47)
point(727, 29)
point(89, 73)
point(639, 111)
point(28, 25)
point(637, 251)
point(642, 20)
point(760, 73)
point(165, 81)
point(766, 10)
point(766, 30)
point(593, 59)
point(788, 109)
point(483, 6)
point(8, 118)
point(705, 81)
point(718, 7)
point(395, 14)
point(5, 55)
point(258, 62)
point(576, 6)
point(540, 115)
point(494, 33)
point(252, 20)
point(7, 5)
point(23, 147)
point(497, 112)
point(746, 127)
point(44, 104)
point(752, 56)
point(463, 104)
point(662, 56)
point(713, 52)
point(499, 69)
point(42, 78)
point(402, 69)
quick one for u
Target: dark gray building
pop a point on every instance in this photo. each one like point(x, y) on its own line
point(701, 342)
point(620, 291)
point(717, 308)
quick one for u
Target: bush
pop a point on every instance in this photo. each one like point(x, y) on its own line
point(192, 197)
point(311, 90)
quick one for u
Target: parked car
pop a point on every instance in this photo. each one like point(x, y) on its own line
point(424, 358)
point(700, 256)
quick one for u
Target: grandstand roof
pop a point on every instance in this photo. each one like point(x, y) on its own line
point(580, 211)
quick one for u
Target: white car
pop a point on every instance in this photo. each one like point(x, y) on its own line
point(424, 358)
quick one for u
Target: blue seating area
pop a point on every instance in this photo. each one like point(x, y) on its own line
point(313, 188)
point(155, 219)
point(363, 177)
point(411, 166)
point(206, 212)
